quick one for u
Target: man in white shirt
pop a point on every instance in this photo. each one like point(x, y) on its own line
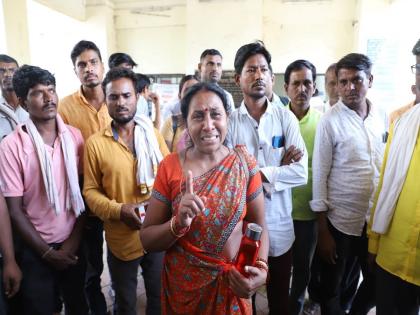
point(348, 152)
point(11, 113)
point(210, 70)
point(271, 134)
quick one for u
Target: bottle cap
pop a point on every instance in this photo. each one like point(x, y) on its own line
point(253, 231)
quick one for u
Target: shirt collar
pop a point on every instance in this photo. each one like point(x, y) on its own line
point(4, 102)
point(244, 111)
point(109, 132)
point(85, 101)
point(304, 118)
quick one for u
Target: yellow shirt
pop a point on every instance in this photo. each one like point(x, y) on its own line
point(110, 181)
point(399, 111)
point(77, 112)
point(168, 133)
point(398, 251)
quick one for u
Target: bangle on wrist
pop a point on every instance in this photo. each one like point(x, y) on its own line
point(45, 254)
point(176, 231)
point(261, 265)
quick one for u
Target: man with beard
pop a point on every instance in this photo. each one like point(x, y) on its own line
point(271, 134)
point(210, 70)
point(120, 164)
point(11, 113)
point(300, 85)
point(85, 109)
point(348, 152)
point(39, 171)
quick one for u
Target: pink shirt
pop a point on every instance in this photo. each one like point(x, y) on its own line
point(20, 175)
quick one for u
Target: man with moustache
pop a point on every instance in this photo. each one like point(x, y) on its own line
point(210, 70)
point(11, 113)
point(120, 166)
point(394, 227)
point(271, 134)
point(300, 85)
point(348, 152)
point(39, 171)
point(85, 109)
point(415, 88)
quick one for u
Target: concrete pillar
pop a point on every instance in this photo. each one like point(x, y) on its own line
point(16, 30)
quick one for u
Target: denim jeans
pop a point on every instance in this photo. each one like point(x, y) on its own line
point(306, 233)
point(124, 282)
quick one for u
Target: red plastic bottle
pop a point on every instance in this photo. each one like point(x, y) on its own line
point(250, 245)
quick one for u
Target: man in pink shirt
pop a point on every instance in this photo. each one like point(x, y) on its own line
point(39, 172)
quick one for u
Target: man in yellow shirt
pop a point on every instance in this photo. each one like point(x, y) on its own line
point(86, 110)
point(415, 88)
point(394, 229)
point(120, 163)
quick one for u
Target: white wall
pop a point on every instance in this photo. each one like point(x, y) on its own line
point(53, 36)
point(170, 40)
point(3, 46)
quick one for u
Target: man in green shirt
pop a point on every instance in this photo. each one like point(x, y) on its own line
point(300, 86)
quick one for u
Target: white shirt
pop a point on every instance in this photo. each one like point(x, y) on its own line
point(347, 158)
point(142, 106)
point(231, 103)
point(6, 125)
point(276, 123)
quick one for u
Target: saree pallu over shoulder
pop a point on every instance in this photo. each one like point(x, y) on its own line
point(195, 273)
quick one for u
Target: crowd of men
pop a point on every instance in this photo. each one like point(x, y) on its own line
point(340, 186)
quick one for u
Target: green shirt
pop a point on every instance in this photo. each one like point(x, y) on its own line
point(303, 194)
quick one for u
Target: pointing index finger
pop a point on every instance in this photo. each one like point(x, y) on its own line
point(189, 184)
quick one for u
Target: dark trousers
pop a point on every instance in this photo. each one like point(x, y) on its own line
point(395, 296)
point(278, 284)
point(332, 276)
point(303, 249)
point(40, 281)
point(93, 246)
point(349, 283)
point(3, 304)
point(124, 281)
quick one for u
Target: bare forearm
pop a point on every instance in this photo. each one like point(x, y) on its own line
point(156, 123)
point(73, 241)
point(6, 243)
point(24, 227)
point(157, 237)
point(322, 221)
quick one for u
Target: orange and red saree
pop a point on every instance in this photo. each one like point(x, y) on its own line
point(194, 279)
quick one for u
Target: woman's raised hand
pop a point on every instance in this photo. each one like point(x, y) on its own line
point(190, 205)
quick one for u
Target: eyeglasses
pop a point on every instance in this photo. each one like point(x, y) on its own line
point(415, 68)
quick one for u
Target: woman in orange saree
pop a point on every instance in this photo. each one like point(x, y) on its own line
point(198, 220)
